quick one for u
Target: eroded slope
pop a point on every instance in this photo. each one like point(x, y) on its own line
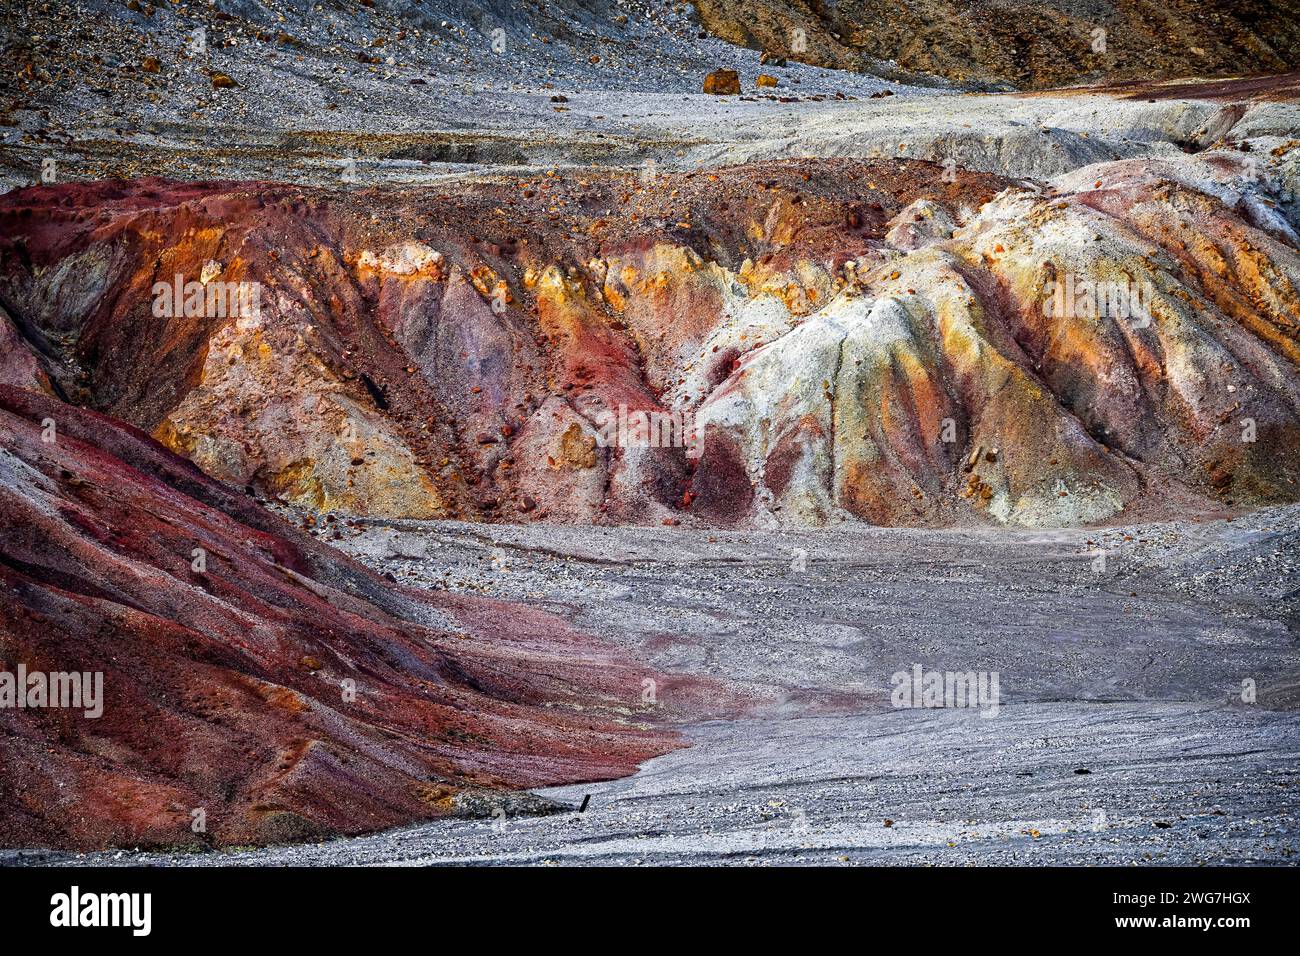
point(1029, 45)
point(882, 340)
point(277, 686)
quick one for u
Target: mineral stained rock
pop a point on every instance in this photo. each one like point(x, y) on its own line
point(722, 83)
point(1029, 45)
point(785, 343)
point(262, 680)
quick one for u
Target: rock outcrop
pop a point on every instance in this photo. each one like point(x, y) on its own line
point(783, 343)
point(1028, 45)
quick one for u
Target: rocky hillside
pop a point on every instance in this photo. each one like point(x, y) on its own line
point(1027, 45)
point(262, 678)
point(507, 262)
point(829, 340)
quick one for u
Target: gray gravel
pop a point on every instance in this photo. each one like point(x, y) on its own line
point(1130, 669)
point(438, 102)
point(439, 99)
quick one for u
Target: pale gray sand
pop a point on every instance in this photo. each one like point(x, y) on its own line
point(1144, 692)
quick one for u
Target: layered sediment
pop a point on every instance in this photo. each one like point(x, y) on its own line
point(258, 686)
point(895, 341)
point(1028, 45)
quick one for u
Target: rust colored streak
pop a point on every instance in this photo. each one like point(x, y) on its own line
point(283, 688)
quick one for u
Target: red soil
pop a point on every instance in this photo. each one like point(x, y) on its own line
point(223, 689)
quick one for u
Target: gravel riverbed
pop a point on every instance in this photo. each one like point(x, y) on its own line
point(1125, 731)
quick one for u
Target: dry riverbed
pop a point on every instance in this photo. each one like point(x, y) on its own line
point(1121, 734)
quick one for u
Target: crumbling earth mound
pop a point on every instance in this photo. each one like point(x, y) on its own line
point(794, 342)
point(257, 686)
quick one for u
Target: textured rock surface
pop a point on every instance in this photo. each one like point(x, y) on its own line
point(223, 689)
point(1028, 45)
point(722, 83)
point(870, 340)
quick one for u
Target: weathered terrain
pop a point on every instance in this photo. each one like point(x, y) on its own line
point(1130, 668)
point(257, 676)
point(1026, 45)
point(582, 414)
point(815, 340)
